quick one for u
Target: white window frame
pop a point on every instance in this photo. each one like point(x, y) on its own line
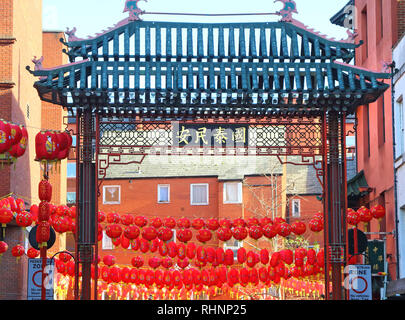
point(191, 194)
point(113, 202)
point(104, 244)
point(168, 193)
point(400, 122)
point(240, 196)
point(293, 202)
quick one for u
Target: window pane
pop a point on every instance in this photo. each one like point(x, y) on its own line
point(163, 194)
point(232, 192)
point(71, 170)
point(71, 197)
point(199, 194)
point(107, 242)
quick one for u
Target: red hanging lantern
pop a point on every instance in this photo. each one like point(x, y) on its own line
point(132, 232)
point(352, 217)
point(184, 223)
point(137, 262)
point(167, 263)
point(311, 256)
point(219, 255)
point(43, 233)
point(315, 225)
point(275, 259)
point(15, 134)
point(183, 263)
point(109, 260)
point(198, 224)
point(6, 216)
point(45, 191)
point(140, 221)
point(144, 245)
point(163, 251)
point(365, 214)
point(169, 223)
point(255, 232)
point(239, 223)
point(284, 229)
point(184, 235)
point(191, 250)
point(155, 262)
point(165, 234)
point(18, 251)
point(18, 149)
point(378, 212)
point(264, 256)
point(270, 231)
point(263, 275)
point(251, 259)
point(265, 221)
point(241, 255)
point(239, 233)
point(252, 222)
point(224, 234)
point(172, 249)
point(114, 231)
point(65, 257)
point(287, 256)
point(32, 253)
point(298, 228)
point(156, 222)
point(201, 254)
point(20, 205)
point(181, 250)
point(113, 217)
point(124, 241)
point(244, 277)
point(204, 235)
point(212, 224)
point(5, 136)
point(3, 248)
point(229, 257)
point(127, 219)
point(225, 223)
point(44, 211)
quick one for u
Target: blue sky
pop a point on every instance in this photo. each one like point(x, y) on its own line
point(93, 16)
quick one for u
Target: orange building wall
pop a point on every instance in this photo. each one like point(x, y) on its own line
point(380, 37)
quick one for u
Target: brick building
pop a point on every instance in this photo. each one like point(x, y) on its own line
point(22, 39)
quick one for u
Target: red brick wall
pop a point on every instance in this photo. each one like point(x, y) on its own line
point(401, 18)
point(6, 14)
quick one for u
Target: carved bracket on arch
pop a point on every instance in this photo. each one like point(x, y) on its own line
point(317, 164)
point(109, 160)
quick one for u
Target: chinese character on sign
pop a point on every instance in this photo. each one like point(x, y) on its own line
point(220, 136)
point(239, 136)
point(201, 135)
point(183, 136)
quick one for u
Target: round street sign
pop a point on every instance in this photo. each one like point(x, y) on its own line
point(32, 237)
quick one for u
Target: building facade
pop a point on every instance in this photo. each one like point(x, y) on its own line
point(22, 40)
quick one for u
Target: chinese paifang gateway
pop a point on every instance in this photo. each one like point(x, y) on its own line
point(143, 71)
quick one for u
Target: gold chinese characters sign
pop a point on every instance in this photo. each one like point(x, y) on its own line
point(211, 135)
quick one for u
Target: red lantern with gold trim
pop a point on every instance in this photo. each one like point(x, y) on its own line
point(241, 255)
point(298, 228)
point(184, 235)
point(114, 231)
point(18, 251)
point(44, 211)
point(204, 235)
point(32, 253)
point(184, 223)
point(225, 223)
point(156, 222)
point(155, 262)
point(270, 231)
point(137, 262)
point(45, 191)
point(264, 256)
point(378, 212)
point(109, 260)
point(43, 233)
point(165, 234)
point(132, 232)
point(365, 214)
point(239, 233)
point(255, 232)
point(169, 222)
point(212, 224)
point(5, 136)
point(284, 229)
point(3, 248)
point(18, 149)
point(198, 224)
point(191, 250)
point(352, 217)
point(113, 217)
point(224, 234)
point(6, 216)
point(316, 225)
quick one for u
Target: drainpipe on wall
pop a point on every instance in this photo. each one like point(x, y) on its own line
point(393, 72)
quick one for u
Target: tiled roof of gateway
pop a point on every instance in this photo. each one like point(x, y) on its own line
point(300, 179)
